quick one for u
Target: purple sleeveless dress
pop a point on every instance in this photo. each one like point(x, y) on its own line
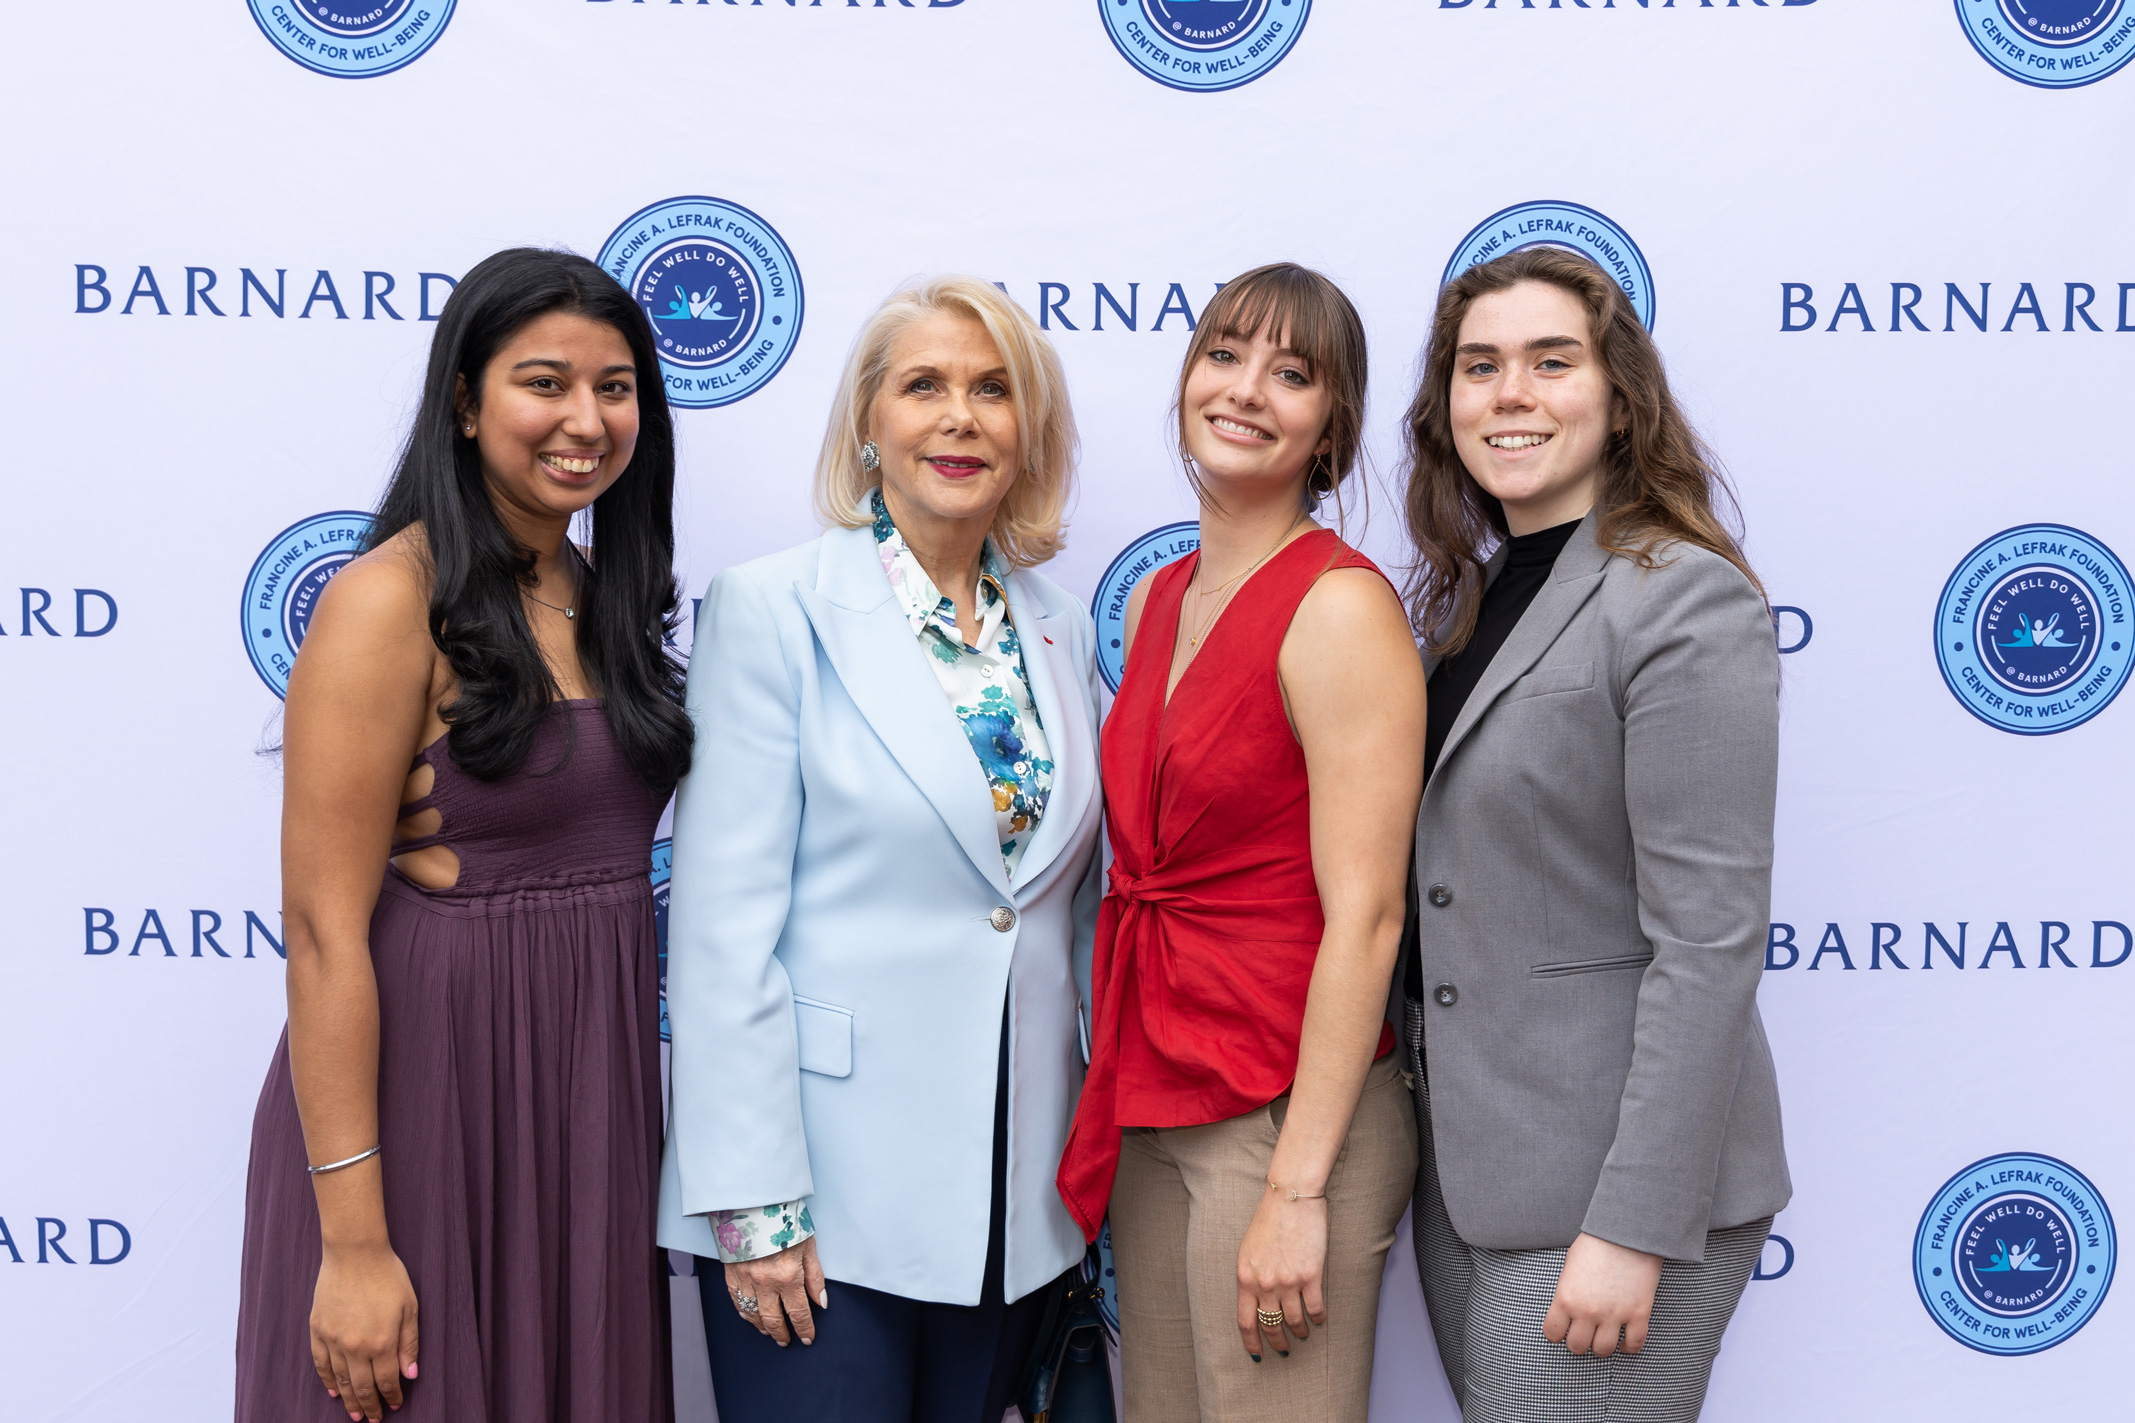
point(518, 1105)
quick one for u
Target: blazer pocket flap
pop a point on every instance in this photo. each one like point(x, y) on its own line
point(1564, 970)
point(1575, 677)
point(826, 1032)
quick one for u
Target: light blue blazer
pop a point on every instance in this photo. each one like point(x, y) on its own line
point(837, 958)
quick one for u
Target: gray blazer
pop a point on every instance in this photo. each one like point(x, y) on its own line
point(1594, 865)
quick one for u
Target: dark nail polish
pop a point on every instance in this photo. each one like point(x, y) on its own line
point(1284, 1352)
point(1254, 1357)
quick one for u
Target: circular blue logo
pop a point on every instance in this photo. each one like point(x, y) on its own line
point(1204, 46)
point(282, 591)
point(353, 39)
point(722, 291)
point(2014, 1253)
point(1109, 607)
point(663, 869)
point(2032, 630)
point(2053, 44)
point(1567, 225)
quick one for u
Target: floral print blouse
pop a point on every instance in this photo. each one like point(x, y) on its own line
point(986, 684)
point(989, 691)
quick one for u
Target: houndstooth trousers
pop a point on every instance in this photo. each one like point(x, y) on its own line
point(1487, 1306)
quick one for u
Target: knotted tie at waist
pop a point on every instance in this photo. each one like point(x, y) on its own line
point(1203, 903)
point(1194, 891)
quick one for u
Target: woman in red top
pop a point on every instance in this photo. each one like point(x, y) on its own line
point(1243, 1116)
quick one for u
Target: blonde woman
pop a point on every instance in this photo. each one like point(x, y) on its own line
point(884, 876)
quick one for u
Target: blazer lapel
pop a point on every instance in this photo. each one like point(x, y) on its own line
point(884, 671)
point(1062, 700)
point(1571, 582)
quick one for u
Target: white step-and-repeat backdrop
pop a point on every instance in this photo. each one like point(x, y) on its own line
point(1885, 247)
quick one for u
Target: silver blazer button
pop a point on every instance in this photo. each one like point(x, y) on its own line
point(1003, 918)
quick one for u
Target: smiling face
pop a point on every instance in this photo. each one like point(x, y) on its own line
point(944, 422)
point(557, 418)
point(1530, 405)
point(1253, 414)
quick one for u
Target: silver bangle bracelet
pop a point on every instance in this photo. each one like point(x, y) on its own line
point(337, 1165)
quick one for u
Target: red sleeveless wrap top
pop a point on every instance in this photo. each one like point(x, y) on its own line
point(1211, 922)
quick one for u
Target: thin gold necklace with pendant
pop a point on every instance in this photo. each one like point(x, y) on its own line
point(1232, 584)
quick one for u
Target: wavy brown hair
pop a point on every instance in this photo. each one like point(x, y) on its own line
point(1659, 483)
point(1308, 313)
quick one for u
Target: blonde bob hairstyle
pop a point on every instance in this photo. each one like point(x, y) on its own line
point(1027, 524)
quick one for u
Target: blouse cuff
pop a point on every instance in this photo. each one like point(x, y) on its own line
point(757, 1232)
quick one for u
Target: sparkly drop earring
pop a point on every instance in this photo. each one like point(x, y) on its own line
point(870, 457)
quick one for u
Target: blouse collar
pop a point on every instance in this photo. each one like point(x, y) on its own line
point(922, 603)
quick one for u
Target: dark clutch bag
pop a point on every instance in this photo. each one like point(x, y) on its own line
point(1069, 1377)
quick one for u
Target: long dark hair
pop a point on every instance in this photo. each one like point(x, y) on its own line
point(628, 604)
point(1659, 483)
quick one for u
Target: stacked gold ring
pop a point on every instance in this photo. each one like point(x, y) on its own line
point(1269, 1318)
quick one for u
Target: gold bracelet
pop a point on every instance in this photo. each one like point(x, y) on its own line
point(1296, 1195)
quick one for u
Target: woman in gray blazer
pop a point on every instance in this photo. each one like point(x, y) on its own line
point(1600, 1121)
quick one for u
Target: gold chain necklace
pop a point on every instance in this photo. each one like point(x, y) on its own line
point(1232, 585)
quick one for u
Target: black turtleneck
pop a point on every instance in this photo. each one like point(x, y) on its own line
point(1528, 560)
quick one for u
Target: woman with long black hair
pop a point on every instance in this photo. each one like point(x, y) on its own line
point(463, 1117)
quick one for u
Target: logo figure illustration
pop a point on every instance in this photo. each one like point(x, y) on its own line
point(2044, 635)
point(721, 289)
point(699, 306)
point(2032, 631)
point(2005, 1259)
point(2000, 1298)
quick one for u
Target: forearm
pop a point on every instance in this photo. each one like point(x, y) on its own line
point(1345, 1010)
point(333, 1064)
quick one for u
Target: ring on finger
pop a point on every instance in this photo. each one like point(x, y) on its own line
point(1269, 1318)
point(746, 1304)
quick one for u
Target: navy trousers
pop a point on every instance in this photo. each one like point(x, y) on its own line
point(882, 1358)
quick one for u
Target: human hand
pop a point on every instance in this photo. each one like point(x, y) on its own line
point(363, 1328)
point(1603, 1291)
point(1281, 1266)
point(781, 1288)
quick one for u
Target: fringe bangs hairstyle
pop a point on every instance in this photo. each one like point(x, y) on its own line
point(1659, 482)
point(1027, 524)
point(1299, 308)
point(627, 599)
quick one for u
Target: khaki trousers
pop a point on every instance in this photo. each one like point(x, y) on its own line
point(1180, 1207)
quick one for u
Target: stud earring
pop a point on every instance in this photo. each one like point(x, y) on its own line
point(469, 429)
point(870, 457)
